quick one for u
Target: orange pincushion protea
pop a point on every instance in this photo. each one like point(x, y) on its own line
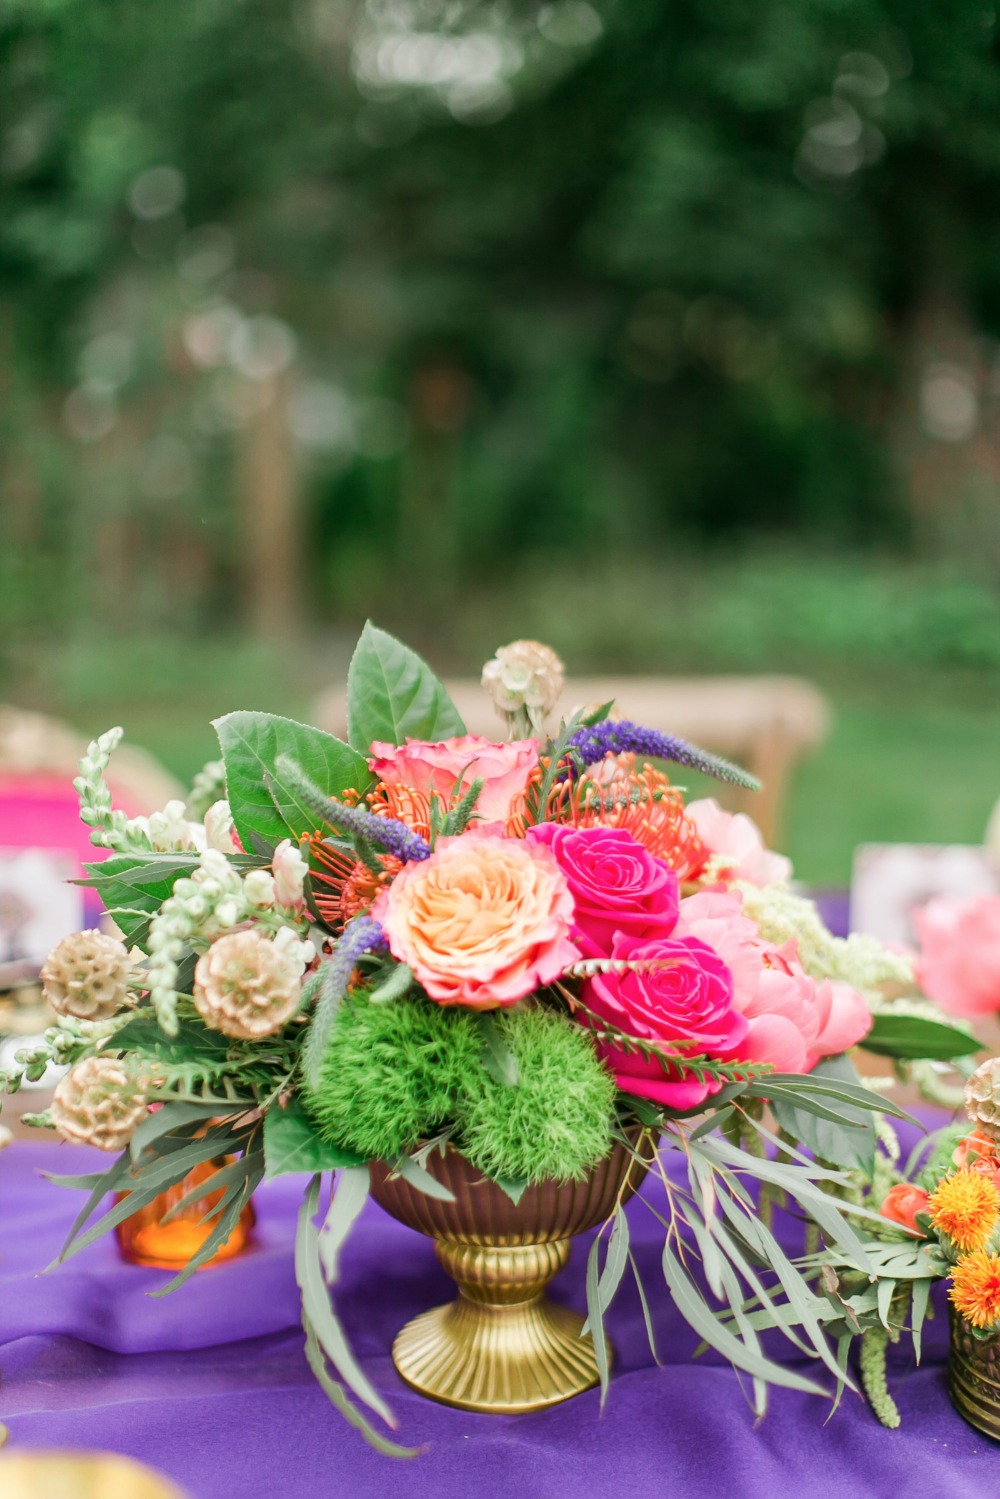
point(615, 794)
point(344, 887)
point(975, 1288)
point(966, 1207)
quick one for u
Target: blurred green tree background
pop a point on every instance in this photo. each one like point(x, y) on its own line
point(666, 332)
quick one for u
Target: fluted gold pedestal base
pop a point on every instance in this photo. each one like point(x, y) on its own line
point(505, 1359)
point(502, 1345)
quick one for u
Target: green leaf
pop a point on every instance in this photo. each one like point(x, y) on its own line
point(844, 1136)
point(918, 1312)
point(229, 1210)
point(317, 1307)
point(595, 1316)
point(513, 1187)
point(292, 1144)
point(251, 744)
point(398, 983)
point(317, 1363)
point(498, 1059)
point(193, 1043)
point(392, 694)
point(700, 1316)
point(349, 1196)
point(912, 1037)
point(614, 1264)
point(418, 1177)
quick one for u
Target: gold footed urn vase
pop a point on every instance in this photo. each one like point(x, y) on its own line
point(501, 1345)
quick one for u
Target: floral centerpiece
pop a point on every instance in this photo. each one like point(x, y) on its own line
point(362, 960)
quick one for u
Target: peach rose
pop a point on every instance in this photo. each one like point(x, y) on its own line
point(978, 1152)
point(503, 768)
point(959, 963)
point(902, 1204)
point(736, 839)
point(482, 922)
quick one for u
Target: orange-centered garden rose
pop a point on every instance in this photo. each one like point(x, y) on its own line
point(482, 922)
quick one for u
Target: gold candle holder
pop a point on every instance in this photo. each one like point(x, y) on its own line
point(502, 1345)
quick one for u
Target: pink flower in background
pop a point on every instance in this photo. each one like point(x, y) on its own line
point(688, 997)
point(482, 922)
point(435, 767)
point(735, 837)
point(793, 1019)
point(959, 962)
point(619, 887)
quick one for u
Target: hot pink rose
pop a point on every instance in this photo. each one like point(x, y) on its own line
point(503, 768)
point(482, 922)
point(959, 963)
point(617, 885)
point(736, 838)
point(794, 1019)
point(688, 999)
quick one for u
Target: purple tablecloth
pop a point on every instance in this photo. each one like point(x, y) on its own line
point(211, 1384)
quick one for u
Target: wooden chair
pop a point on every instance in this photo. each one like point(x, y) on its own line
point(764, 723)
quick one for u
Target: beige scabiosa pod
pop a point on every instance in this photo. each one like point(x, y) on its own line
point(87, 976)
point(525, 680)
point(100, 1101)
point(982, 1097)
point(248, 985)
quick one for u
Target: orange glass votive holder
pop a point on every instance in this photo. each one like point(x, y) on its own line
point(145, 1239)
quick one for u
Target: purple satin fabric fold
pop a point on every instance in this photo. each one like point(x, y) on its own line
point(211, 1384)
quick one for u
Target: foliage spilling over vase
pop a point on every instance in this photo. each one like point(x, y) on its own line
point(368, 960)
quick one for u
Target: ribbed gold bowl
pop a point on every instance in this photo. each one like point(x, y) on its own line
point(502, 1345)
point(974, 1377)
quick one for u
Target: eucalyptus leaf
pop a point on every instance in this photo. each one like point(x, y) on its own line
point(595, 1317)
point(293, 1144)
point(392, 694)
point(262, 804)
point(350, 1194)
point(418, 1177)
point(337, 1398)
point(319, 1310)
point(700, 1316)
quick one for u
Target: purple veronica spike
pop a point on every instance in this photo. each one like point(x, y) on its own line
point(385, 832)
point(362, 935)
point(624, 737)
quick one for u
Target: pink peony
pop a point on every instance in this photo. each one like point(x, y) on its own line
point(426, 767)
point(736, 838)
point(618, 886)
point(482, 922)
point(794, 1019)
point(689, 999)
point(959, 963)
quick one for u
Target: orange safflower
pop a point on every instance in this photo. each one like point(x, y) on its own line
point(975, 1288)
point(966, 1207)
point(615, 794)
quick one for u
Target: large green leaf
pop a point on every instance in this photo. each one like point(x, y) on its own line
point(261, 802)
point(911, 1036)
point(292, 1144)
point(392, 693)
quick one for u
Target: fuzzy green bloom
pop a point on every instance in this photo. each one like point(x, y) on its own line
point(555, 1122)
point(393, 1074)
